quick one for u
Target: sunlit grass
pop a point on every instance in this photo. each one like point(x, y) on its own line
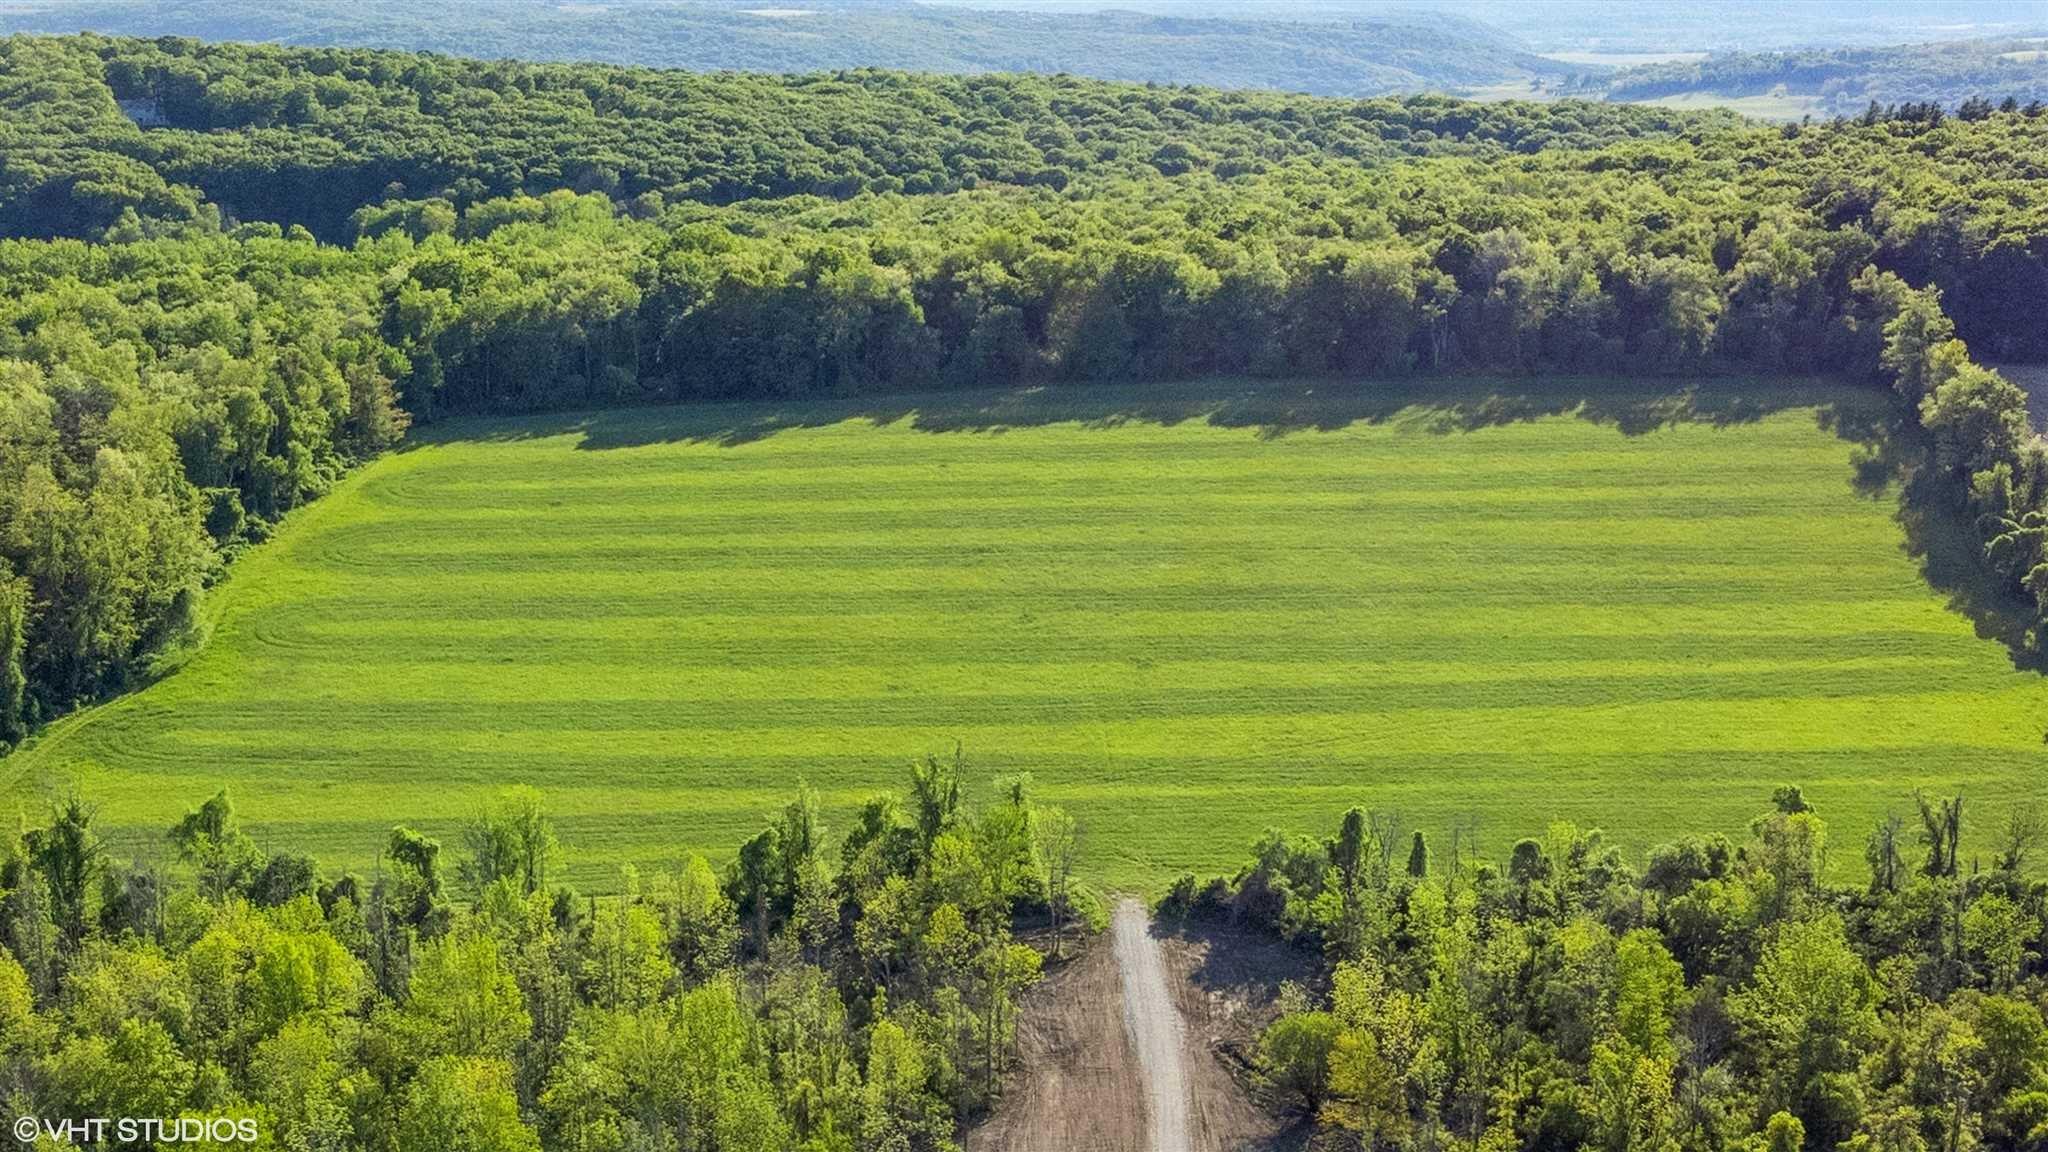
point(1190, 613)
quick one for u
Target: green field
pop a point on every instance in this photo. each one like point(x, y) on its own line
point(1191, 612)
point(1777, 104)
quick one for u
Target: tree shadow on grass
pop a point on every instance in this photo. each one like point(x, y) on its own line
point(1889, 460)
point(1273, 408)
point(1947, 548)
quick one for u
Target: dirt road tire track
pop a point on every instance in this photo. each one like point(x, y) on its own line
point(1153, 1023)
point(1117, 1047)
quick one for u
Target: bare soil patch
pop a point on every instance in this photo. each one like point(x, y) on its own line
point(1080, 1085)
point(1226, 983)
point(1080, 1088)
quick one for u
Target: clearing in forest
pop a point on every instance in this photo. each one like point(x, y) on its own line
point(1191, 612)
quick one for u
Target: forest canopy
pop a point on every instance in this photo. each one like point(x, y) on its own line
point(1718, 995)
point(1831, 57)
point(299, 136)
point(1393, 51)
point(1845, 80)
point(234, 273)
point(829, 990)
point(245, 269)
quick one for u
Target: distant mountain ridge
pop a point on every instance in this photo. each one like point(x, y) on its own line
point(1824, 58)
point(1360, 57)
point(1844, 81)
point(1634, 26)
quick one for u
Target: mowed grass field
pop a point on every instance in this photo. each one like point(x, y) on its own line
point(1192, 613)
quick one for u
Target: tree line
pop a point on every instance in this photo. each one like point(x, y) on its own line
point(174, 385)
point(171, 127)
point(1721, 996)
point(1397, 52)
point(167, 393)
point(821, 992)
point(1944, 75)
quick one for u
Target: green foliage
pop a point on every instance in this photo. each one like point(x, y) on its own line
point(464, 1105)
point(311, 136)
point(1294, 1056)
point(209, 840)
point(520, 1021)
point(1907, 79)
point(511, 842)
point(1394, 52)
point(527, 238)
point(1484, 1016)
point(534, 237)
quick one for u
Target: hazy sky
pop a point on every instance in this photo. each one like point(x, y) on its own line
point(1647, 24)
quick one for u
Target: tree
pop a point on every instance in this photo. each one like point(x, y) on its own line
point(68, 856)
point(724, 1092)
point(1380, 1054)
point(803, 888)
point(1810, 1010)
point(1632, 1097)
point(138, 1071)
point(465, 1104)
point(23, 1033)
point(1978, 420)
point(1995, 932)
point(512, 840)
point(1791, 852)
point(702, 925)
point(1920, 345)
point(30, 934)
point(463, 1002)
point(626, 960)
point(13, 644)
point(1007, 969)
point(1881, 852)
point(1056, 844)
point(2021, 833)
point(1294, 1056)
point(210, 839)
point(1941, 829)
point(416, 896)
point(1784, 1133)
point(1649, 990)
point(298, 1077)
point(286, 876)
point(897, 1113)
point(1347, 852)
point(754, 883)
point(1418, 857)
point(935, 796)
point(1002, 845)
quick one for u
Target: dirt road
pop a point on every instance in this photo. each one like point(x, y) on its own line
point(1119, 1048)
point(1153, 1023)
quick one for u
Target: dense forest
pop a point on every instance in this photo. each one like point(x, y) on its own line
point(1722, 995)
point(1843, 56)
point(1846, 80)
point(96, 126)
point(235, 272)
point(189, 369)
point(856, 991)
point(1388, 52)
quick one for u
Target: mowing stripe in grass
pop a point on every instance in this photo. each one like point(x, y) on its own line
point(1187, 628)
